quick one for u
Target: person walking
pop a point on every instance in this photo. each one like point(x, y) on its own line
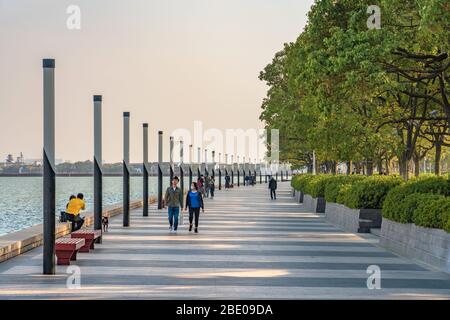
point(174, 201)
point(200, 184)
point(207, 186)
point(194, 201)
point(273, 188)
point(212, 187)
point(227, 182)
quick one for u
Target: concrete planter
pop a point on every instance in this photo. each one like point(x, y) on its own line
point(353, 220)
point(429, 246)
point(316, 205)
point(298, 196)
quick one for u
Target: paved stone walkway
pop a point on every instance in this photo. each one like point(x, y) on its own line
point(249, 247)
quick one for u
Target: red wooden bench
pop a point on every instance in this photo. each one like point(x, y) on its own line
point(66, 250)
point(89, 237)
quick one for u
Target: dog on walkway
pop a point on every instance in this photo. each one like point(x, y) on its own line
point(105, 223)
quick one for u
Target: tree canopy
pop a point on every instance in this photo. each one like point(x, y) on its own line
point(361, 95)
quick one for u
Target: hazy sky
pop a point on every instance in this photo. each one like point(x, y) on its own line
point(168, 62)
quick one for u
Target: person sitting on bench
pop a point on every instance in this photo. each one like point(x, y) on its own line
point(74, 207)
point(63, 216)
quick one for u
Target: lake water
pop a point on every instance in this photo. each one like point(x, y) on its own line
point(21, 197)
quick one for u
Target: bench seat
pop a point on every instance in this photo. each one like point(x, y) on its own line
point(89, 237)
point(66, 249)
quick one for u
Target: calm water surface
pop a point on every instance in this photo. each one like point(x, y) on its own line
point(21, 197)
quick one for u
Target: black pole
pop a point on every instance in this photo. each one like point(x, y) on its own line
point(160, 175)
point(49, 204)
point(171, 161)
point(220, 179)
point(238, 177)
point(126, 170)
point(232, 177)
point(145, 170)
point(190, 177)
point(260, 176)
point(160, 187)
point(181, 165)
point(98, 176)
point(181, 178)
point(199, 173)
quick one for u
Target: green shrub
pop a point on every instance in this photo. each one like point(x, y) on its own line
point(408, 206)
point(316, 185)
point(299, 181)
point(393, 207)
point(342, 193)
point(369, 193)
point(333, 186)
point(433, 212)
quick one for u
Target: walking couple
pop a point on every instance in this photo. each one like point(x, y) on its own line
point(174, 201)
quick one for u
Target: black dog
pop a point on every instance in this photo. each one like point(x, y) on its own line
point(105, 222)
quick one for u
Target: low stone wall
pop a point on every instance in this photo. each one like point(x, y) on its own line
point(316, 205)
point(429, 246)
point(343, 217)
point(299, 196)
point(353, 220)
point(19, 242)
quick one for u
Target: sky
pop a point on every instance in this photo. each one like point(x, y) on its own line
point(167, 62)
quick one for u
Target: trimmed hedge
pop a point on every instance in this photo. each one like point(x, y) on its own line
point(433, 212)
point(316, 185)
point(299, 181)
point(424, 201)
point(369, 193)
point(335, 185)
point(408, 206)
point(394, 207)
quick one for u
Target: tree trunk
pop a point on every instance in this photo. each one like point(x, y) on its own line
point(388, 166)
point(349, 167)
point(358, 168)
point(403, 166)
point(437, 159)
point(416, 166)
point(369, 167)
point(380, 166)
point(334, 167)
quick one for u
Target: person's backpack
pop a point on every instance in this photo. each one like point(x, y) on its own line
point(63, 217)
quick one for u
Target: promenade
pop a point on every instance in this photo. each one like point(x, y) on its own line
point(249, 247)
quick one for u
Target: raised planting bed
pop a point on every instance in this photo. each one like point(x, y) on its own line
point(353, 220)
point(316, 205)
point(298, 196)
point(429, 246)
